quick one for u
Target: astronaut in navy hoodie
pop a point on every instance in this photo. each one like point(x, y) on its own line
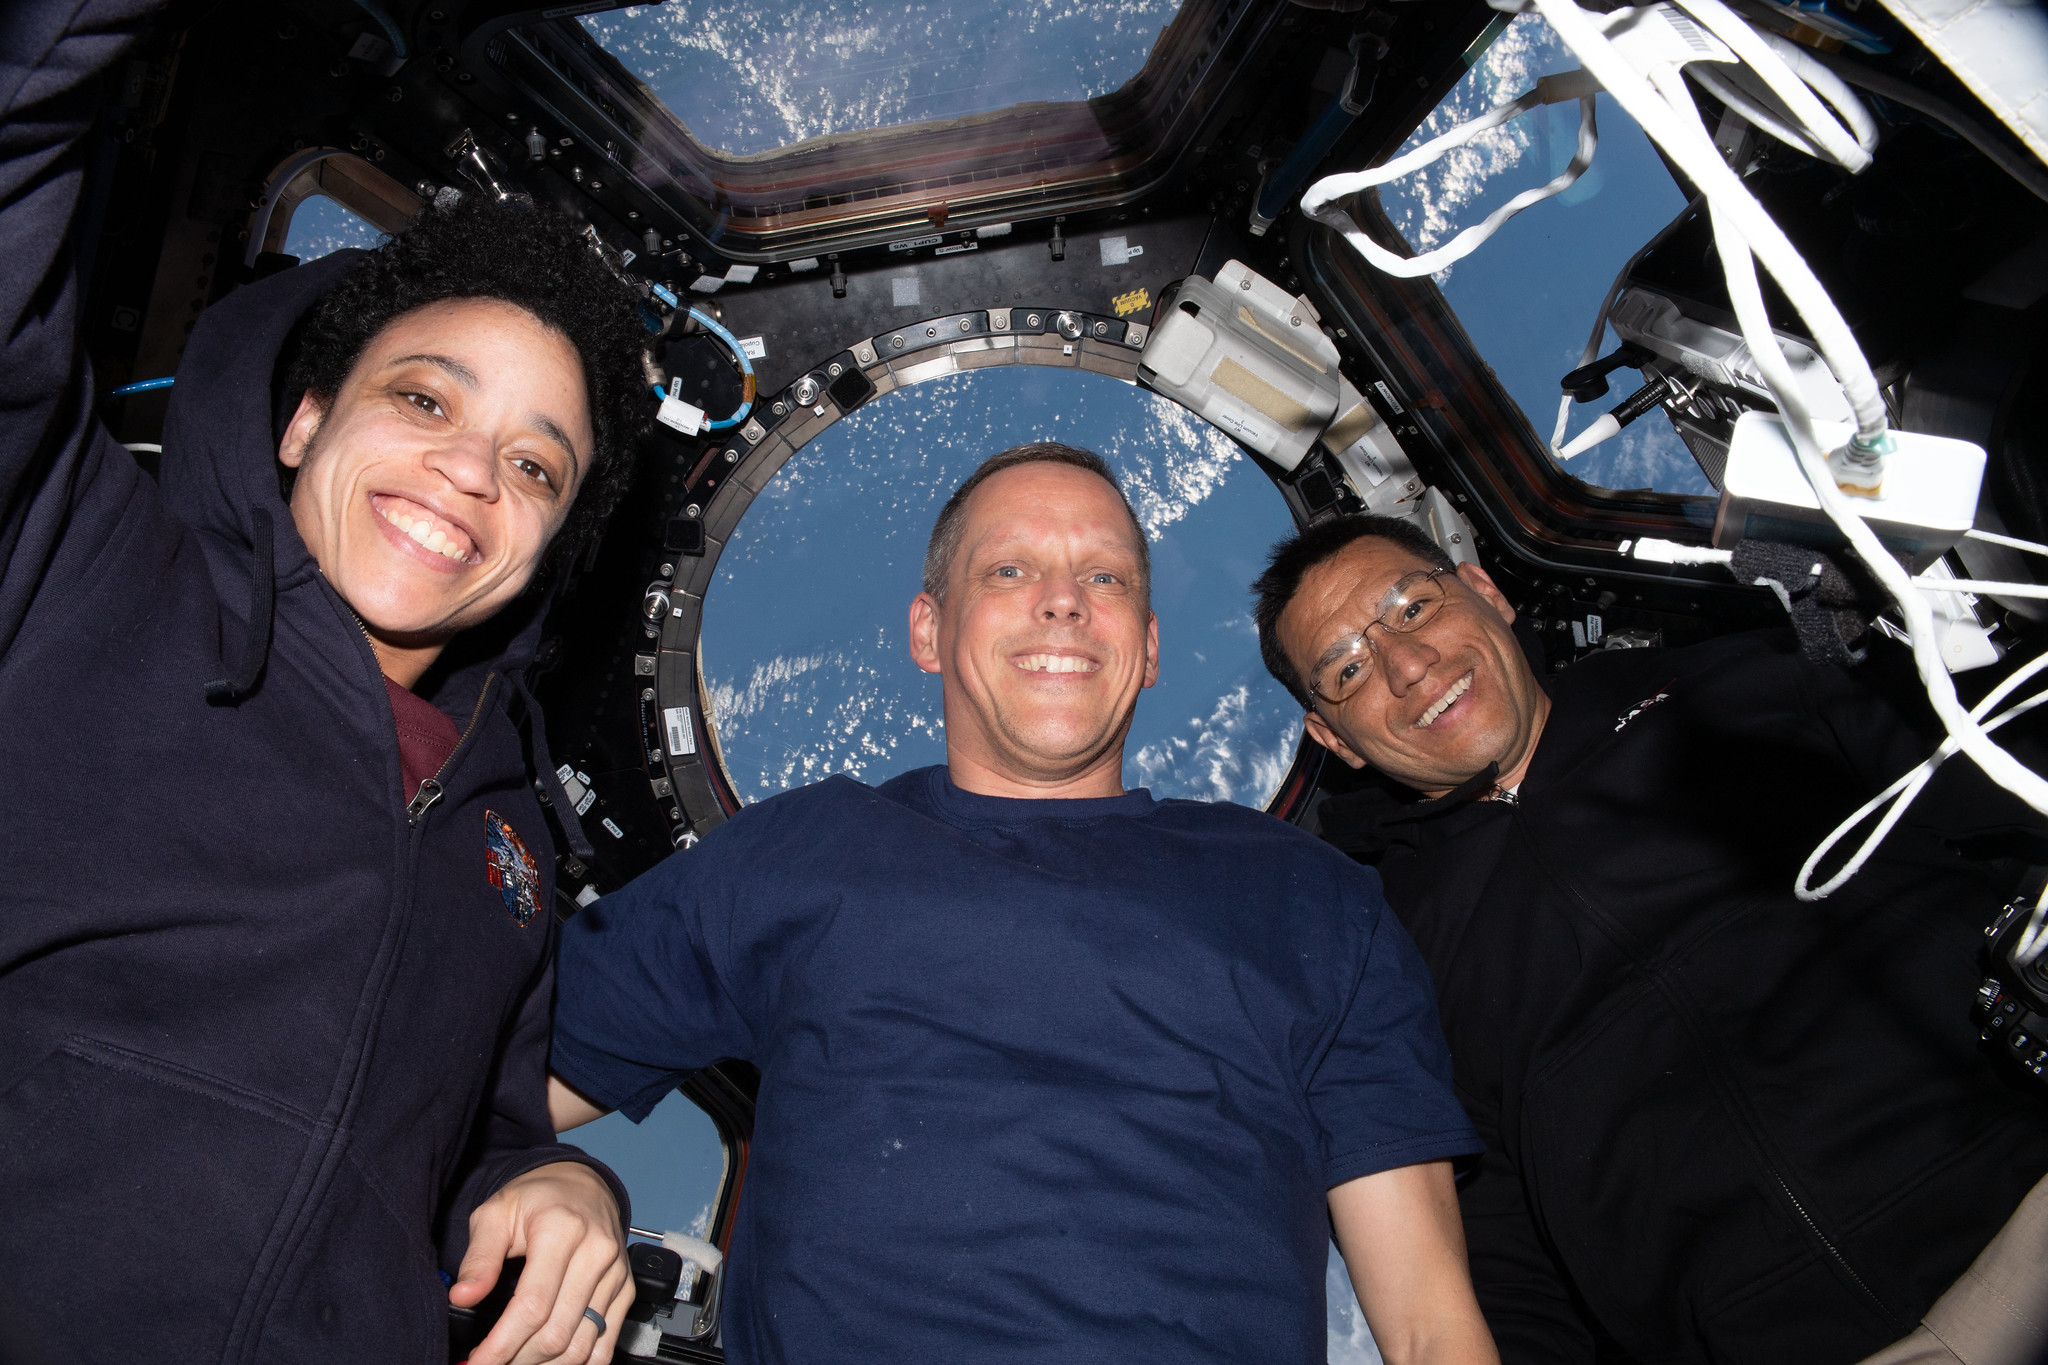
point(275, 941)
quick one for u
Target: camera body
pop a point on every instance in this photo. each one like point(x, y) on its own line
point(2012, 1004)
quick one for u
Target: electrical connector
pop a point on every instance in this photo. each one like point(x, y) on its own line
point(1926, 503)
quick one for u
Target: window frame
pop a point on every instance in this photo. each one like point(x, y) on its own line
point(866, 188)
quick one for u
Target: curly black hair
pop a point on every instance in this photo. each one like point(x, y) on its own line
point(480, 248)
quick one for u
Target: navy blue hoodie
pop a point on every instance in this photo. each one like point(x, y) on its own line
point(265, 1040)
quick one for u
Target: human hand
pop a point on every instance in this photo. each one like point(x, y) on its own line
point(563, 1220)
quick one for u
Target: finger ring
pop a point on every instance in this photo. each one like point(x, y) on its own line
point(595, 1317)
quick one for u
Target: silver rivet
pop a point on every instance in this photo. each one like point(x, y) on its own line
point(779, 409)
point(1102, 329)
point(896, 343)
point(1245, 283)
point(965, 324)
point(931, 331)
point(732, 457)
point(834, 369)
point(1294, 322)
point(692, 510)
point(647, 694)
point(1031, 320)
point(668, 570)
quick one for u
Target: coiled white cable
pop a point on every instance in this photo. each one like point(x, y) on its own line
point(1319, 202)
point(1746, 234)
point(1813, 126)
point(2034, 938)
point(1900, 794)
point(1685, 140)
point(1813, 140)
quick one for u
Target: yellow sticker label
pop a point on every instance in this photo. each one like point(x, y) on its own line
point(1134, 302)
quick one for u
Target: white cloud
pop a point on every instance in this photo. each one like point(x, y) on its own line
point(857, 711)
point(1432, 205)
point(732, 704)
point(1350, 1340)
point(1170, 463)
point(745, 78)
point(1220, 756)
point(1647, 454)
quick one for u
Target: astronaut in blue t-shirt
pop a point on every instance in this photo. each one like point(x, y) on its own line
point(1050, 1071)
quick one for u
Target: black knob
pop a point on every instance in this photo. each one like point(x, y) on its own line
point(656, 1273)
point(1590, 381)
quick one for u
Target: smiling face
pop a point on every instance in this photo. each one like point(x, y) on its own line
point(431, 483)
point(1440, 703)
point(1044, 638)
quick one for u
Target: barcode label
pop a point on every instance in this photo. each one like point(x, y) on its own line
point(681, 738)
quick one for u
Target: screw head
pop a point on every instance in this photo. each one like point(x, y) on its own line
point(692, 510)
point(1031, 320)
point(896, 343)
point(966, 324)
point(667, 570)
point(732, 457)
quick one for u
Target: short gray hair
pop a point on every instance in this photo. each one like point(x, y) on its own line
point(946, 531)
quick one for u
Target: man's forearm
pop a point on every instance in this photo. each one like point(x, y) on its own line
point(1454, 1338)
point(1404, 1246)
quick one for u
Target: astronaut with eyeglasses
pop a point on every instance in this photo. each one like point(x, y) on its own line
point(1720, 1123)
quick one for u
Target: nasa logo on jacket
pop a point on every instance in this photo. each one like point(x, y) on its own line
point(510, 868)
point(1645, 704)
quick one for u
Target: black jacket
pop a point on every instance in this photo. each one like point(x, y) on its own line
point(264, 1040)
point(1721, 1124)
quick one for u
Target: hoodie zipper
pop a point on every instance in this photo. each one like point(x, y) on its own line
point(1833, 1253)
point(431, 789)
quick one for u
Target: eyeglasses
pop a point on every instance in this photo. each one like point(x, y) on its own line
point(1411, 604)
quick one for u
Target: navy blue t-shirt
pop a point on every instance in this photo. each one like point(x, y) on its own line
point(1040, 1080)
